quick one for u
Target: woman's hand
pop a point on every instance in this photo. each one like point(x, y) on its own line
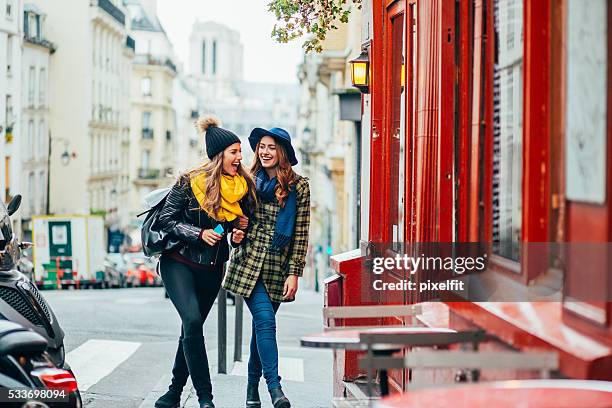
point(242, 222)
point(291, 287)
point(210, 237)
point(237, 236)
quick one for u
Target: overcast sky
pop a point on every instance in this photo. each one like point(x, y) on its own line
point(264, 59)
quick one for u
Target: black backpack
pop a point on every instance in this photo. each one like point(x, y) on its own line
point(154, 239)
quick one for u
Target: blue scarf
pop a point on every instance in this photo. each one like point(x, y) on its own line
point(285, 221)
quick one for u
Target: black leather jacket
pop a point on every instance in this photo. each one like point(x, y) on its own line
point(182, 217)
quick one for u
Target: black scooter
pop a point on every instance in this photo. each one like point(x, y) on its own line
point(28, 376)
point(20, 300)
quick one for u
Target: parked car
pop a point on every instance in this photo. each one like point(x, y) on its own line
point(141, 270)
point(115, 270)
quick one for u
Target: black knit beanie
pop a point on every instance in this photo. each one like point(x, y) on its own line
point(217, 138)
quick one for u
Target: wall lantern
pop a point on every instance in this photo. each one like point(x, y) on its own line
point(360, 72)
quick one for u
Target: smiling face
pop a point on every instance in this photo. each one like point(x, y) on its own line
point(267, 152)
point(232, 156)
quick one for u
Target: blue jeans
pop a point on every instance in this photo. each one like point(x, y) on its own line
point(264, 350)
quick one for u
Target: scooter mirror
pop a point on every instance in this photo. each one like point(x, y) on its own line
point(13, 206)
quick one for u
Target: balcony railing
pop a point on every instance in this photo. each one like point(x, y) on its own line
point(40, 41)
point(148, 59)
point(147, 133)
point(148, 173)
point(111, 9)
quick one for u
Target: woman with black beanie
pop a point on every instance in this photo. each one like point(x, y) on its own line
point(203, 207)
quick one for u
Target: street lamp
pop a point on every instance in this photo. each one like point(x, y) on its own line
point(65, 157)
point(360, 72)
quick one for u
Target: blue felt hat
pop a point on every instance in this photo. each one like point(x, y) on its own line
point(280, 135)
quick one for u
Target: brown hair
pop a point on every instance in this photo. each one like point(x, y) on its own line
point(285, 175)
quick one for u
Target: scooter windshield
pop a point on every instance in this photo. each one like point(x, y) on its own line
point(5, 226)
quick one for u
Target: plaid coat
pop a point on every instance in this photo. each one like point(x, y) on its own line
point(252, 259)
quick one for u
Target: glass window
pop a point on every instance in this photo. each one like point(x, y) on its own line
point(9, 55)
point(397, 134)
point(41, 139)
point(42, 188)
point(30, 140)
point(508, 128)
point(31, 86)
point(42, 87)
point(586, 102)
point(31, 194)
point(32, 25)
point(146, 120)
point(214, 57)
point(145, 159)
point(9, 111)
point(204, 57)
point(145, 85)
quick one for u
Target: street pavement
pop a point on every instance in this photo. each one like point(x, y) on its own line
point(121, 344)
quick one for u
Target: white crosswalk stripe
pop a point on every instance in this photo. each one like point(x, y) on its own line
point(291, 369)
point(95, 359)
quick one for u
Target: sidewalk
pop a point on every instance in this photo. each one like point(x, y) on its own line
point(306, 373)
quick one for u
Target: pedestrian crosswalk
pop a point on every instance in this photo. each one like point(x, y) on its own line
point(95, 359)
point(99, 364)
point(290, 369)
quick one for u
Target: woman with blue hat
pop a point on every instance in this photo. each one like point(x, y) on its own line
point(266, 267)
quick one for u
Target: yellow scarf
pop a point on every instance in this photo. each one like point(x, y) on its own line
point(233, 188)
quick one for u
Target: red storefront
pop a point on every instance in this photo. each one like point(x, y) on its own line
point(488, 121)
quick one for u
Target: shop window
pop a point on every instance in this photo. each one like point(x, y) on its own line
point(507, 129)
point(586, 101)
point(396, 131)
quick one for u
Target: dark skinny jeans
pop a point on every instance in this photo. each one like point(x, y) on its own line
point(193, 292)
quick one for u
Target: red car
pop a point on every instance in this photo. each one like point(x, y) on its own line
point(141, 270)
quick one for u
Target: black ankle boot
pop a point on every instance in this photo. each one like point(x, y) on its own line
point(197, 361)
point(180, 373)
point(278, 398)
point(171, 399)
point(252, 397)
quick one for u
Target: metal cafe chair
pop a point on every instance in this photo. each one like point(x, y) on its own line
point(543, 361)
point(474, 360)
point(333, 313)
point(384, 361)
